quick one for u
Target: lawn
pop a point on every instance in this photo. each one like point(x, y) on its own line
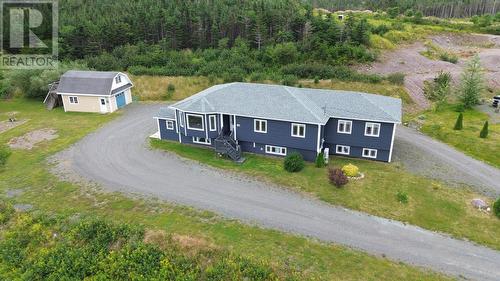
point(439, 125)
point(432, 205)
point(154, 88)
point(28, 170)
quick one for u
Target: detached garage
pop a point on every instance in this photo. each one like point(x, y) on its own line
point(92, 91)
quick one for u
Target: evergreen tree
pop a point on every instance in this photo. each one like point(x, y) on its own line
point(472, 83)
point(459, 124)
point(484, 131)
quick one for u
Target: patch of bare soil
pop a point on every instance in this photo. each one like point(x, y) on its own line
point(7, 125)
point(408, 60)
point(29, 140)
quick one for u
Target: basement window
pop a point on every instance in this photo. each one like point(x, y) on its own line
point(73, 100)
point(369, 153)
point(195, 122)
point(204, 141)
point(343, 149)
point(276, 150)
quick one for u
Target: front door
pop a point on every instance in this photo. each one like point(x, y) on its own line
point(226, 124)
point(102, 103)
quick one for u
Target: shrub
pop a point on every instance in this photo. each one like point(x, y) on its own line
point(294, 162)
point(4, 155)
point(459, 124)
point(337, 177)
point(484, 131)
point(496, 208)
point(350, 170)
point(6, 211)
point(316, 80)
point(171, 87)
point(448, 57)
point(397, 78)
point(290, 80)
point(320, 160)
point(402, 197)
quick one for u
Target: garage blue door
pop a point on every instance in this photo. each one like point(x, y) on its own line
point(120, 100)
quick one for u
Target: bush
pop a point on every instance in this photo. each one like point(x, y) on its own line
point(170, 88)
point(459, 124)
point(496, 208)
point(484, 131)
point(397, 78)
point(448, 57)
point(320, 160)
point(402, 197)
point(4, 155)
point(290, 80)
point(337, 177)
point(294, 162)
point(350, 170)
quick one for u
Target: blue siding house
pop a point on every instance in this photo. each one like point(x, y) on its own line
point(278, 120)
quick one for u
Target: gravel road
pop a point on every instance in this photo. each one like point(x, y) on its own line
point(424, 155)
point(117, 156)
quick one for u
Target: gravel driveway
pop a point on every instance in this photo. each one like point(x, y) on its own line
point(424, 155)
point(117, 156)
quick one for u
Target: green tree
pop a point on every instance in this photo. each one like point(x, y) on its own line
point(459, 124)
point(439, 88)
point(472, 83)
point(484, 131)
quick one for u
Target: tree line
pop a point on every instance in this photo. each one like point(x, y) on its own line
point(437, 8)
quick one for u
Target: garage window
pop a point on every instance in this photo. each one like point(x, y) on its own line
point(195, 122)
point(118, 79)
point(73, 100)
point(170, 125)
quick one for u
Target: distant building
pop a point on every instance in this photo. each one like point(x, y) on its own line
point(90, 91)
point(277, 120)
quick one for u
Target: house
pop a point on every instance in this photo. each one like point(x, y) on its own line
point(277, 120)
point(90, 91)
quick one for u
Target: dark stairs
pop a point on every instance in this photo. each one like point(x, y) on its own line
point(226, 145)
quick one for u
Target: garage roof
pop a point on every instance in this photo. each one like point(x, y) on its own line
point(87, 82)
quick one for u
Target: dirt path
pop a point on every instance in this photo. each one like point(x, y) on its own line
point(407, 59)
point(117, 156)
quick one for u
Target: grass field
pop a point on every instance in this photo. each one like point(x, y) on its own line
point(432, 205)
point(154, 88)
point(29, 171)
point(439, 125)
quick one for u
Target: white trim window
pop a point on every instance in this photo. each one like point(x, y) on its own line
point(344, 127)
point(195, 122)
point(298, 130)
point(260, 126)
point(118, 79)
point(369, 153)
point(212, 123)
point(343, 149)
point(73, 100)
point(199, 140)
point(276, 150)
point(372, 129)
point(170, 125)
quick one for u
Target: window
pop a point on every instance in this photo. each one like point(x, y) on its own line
point(260, 126)
point(73, 99)
point(103, 101)
point(195, 122)
point(118, 79)
point(369, 153)
point(343, 149)
point(202, 140)
point(170, 125)
point(344, 127)
point(212, 123)
point(372, 129)
point(276, 150)
point(298, 130)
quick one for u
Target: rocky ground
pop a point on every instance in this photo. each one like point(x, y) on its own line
point(418, 68)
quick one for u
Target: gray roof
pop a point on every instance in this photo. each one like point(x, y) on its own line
point(167, 113)
point(292, 104)
point(86, 82)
